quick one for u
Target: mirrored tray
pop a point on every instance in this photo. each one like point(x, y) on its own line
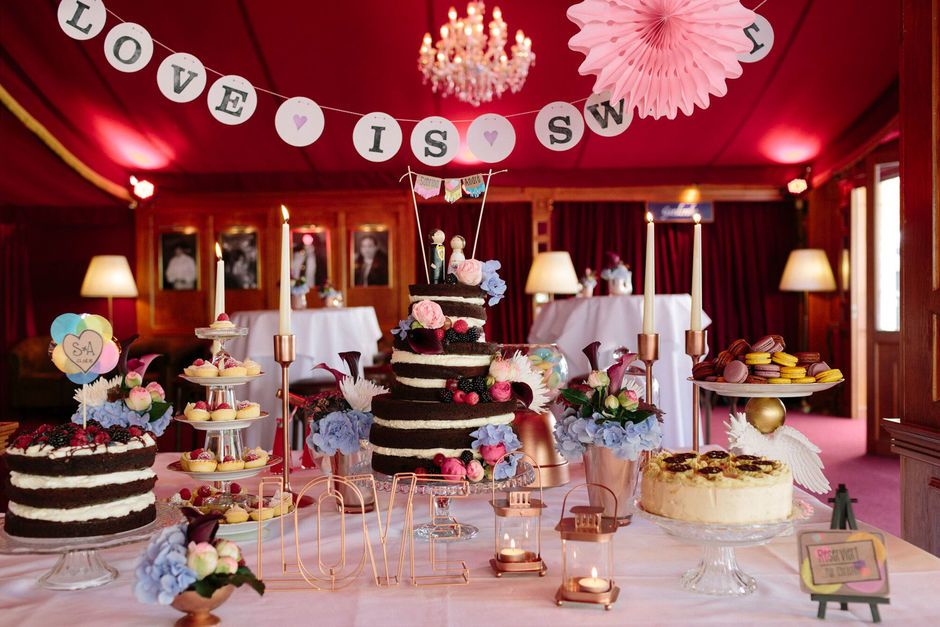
point(765, 390)
point(208, 333)
point(220, 425)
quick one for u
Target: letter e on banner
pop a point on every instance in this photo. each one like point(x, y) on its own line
point(232, 99)
point(760, 34)
point(559, 126)
point(435, 141)
point(128, 47)
point(299, 121)
point(605, 118)
point(181, 77)
point(377, 137)
point(82, 19)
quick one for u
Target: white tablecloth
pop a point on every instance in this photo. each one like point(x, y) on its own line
point(648, 566)
point(320, 335)
point(615, 321)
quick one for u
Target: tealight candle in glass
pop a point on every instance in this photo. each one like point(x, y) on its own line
point(518, 542)
point(587, 545)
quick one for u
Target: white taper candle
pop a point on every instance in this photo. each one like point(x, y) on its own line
point(649, 282)
point(695, 323)
point(283, 320)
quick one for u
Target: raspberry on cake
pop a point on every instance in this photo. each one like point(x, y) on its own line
point(222, 412)
point(199, 460)
point(255, 458)
point(246, 409)
point(222, 322)
point(201, 368)
point(198, 411)
point(230, 462)
point(232, 368)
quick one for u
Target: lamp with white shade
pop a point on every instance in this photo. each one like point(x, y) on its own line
point(552, 273)
point(807, 270)
point(109, 276)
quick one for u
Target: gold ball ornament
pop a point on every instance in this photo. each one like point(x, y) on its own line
point(766, 414)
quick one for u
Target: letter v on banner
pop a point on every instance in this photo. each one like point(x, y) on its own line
point(605, 118)
point(181, 77)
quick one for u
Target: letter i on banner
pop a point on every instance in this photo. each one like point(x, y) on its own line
point(377, 137)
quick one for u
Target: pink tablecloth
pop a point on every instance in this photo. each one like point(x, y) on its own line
point(649, 563)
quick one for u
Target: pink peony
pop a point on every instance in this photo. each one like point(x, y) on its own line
point(133, 379)
point(202, 559)
point(504, 370)
point(598, 379)
point(226, 566)
point(492, 452)
point(429, 314)
point(453, 468)
point(470, 272)
point(156, 391)
point(475, 471)
point(139, 399)
point(501, 391)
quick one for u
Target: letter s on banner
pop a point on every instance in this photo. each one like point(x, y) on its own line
point(82, 19)
point(559, 126)
point(181, 77)
point(128, 47)
point(377, 137)
point(232, 99)
point(435, 141)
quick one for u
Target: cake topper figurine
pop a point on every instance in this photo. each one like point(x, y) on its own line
point(457, 244)
point(437, 257)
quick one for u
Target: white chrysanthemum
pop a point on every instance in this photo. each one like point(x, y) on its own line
point(359, 393)
point(95, 394)
point(633, 384)
point(524, 373)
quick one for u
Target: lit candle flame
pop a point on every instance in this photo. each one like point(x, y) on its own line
point(512, 543)
point(285, 213)
point(649, 216)
point(696, 218)
point(593, 572)
point(218, 251)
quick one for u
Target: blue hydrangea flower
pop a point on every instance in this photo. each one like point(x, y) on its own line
point(335, 432)
point(492, 435)
point(362, 421)
point(506, 469)
point(573, 433)
point(162, 572)
point(118, 413)
point(492, 284)
point(403, 327)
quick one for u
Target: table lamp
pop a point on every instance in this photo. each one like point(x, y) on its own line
point(552, 273)
point(109, 276)
point(807, 270)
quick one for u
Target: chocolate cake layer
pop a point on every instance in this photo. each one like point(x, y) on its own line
point(456, 348)
point(447, 289)
point(67, 498)
point(421, 438)
point(30, 528)
point(389, 408)
point(425, 371)
point(454, 309)
point(390, 464)
point(82, 464)
point(408, 393)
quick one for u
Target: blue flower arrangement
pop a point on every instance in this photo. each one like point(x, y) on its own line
point(493, 442)
point(492, 284)
point(162, 572)
point(340, 431)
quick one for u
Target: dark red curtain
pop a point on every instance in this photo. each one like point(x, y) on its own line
point(16, 302)
point(743, 254)
point(505, 235)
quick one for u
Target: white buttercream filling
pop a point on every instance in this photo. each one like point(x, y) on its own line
point(41, 482)
point(450, 299)
point(422, 383)
point(114, 509)
point(44, 450)
point(500, 419)
point(424, 453)
point(455, 361)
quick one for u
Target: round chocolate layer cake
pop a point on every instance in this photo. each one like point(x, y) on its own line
point(66, 481)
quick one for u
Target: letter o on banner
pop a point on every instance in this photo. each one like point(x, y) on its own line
point(559, 126)
point(299, 121)
point(491, 138)
point(82, 19)
point(435, 141)
point(128, 47)
point(377, 137)
point(604, 117)
point(232, 99)
point(760, 34)
point(181, 77)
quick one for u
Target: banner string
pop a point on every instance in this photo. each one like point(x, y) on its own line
point(334, 109)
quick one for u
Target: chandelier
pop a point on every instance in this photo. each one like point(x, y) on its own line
point(472, 65)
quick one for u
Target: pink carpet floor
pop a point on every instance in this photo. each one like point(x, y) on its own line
point(872, 479)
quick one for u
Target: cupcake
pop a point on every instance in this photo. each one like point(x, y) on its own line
point(236, 514)
point(252, 367)
point(196, 411)
point(232, 368)
point(281, 503)
point(222, 322)
point(255, 458)
point(264, 514)
point(222, 411)
point(201, 368)
point(199, 460)
point(247, 409)
point(230, 463)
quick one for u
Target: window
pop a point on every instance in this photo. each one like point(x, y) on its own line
point(887, 248)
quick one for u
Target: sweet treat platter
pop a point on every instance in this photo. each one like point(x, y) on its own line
point(766, 362)
point(765, 390)
point(240, 512)
point(225, 475)
point(216, 425)
point(221, 381)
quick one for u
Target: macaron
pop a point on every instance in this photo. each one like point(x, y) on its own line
point(829, 376)
point(778, 381)
point(793, 372)
point(807, 358)
point(815, 369)
point(763, 345)
point(739, 347)
point(723, 359)
point(703, 369)
point(756, 379)
point(804, 380)
point(784, 359)
point(735, 372)
point(757, 358)
point(767, 370)
point(778, 340)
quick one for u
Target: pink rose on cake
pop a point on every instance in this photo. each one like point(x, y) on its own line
point(501, 391)
point(139, 399)
point(492, 452)
point(453, 468)
point(504, 370)
point(470, 272)
point(428, 314)
point(475, 471)
point(156, 391)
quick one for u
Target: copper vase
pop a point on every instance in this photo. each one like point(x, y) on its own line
point(198, 609)
point(620, 475)
point(538, 442)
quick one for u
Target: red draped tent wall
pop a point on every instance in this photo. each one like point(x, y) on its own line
point(743, 255)
point(505, 235)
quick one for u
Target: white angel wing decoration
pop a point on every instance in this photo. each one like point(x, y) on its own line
point(786, 444)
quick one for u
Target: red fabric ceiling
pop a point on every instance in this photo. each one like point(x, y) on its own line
point(830, 61)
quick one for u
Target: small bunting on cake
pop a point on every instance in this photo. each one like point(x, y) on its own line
point(474, 185)
point(427, 186)
point(452, 190)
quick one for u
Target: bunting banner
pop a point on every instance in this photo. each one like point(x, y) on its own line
point(474, 185)
point(299, 121)
point(452, 190)
point(427, 186)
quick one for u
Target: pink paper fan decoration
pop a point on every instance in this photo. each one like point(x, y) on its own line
point(661, 55)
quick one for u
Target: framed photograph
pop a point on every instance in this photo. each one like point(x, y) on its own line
point(179, 260)
point(310, 255)
point(240, 253)
point(369, 256)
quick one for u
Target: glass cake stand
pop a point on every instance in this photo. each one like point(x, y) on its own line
point(79, 564)
point(442, 493)
point(718, 573)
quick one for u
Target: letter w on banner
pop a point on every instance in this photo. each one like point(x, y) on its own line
point(427, 186)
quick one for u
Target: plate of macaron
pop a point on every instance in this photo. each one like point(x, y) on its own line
point(765, 368)
point(201, 416)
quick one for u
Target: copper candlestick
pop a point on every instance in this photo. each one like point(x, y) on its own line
point(695, 348)
point(648, 352)
point(284, 354)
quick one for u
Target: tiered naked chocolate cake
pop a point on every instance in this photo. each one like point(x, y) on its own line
point(451, 404)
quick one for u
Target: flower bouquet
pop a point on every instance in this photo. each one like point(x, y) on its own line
point(298, 292)
point(124, 400)
point(331, 296)
point(185, 566)
point(617, 274)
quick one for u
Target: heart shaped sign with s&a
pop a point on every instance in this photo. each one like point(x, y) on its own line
point(83, 350)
